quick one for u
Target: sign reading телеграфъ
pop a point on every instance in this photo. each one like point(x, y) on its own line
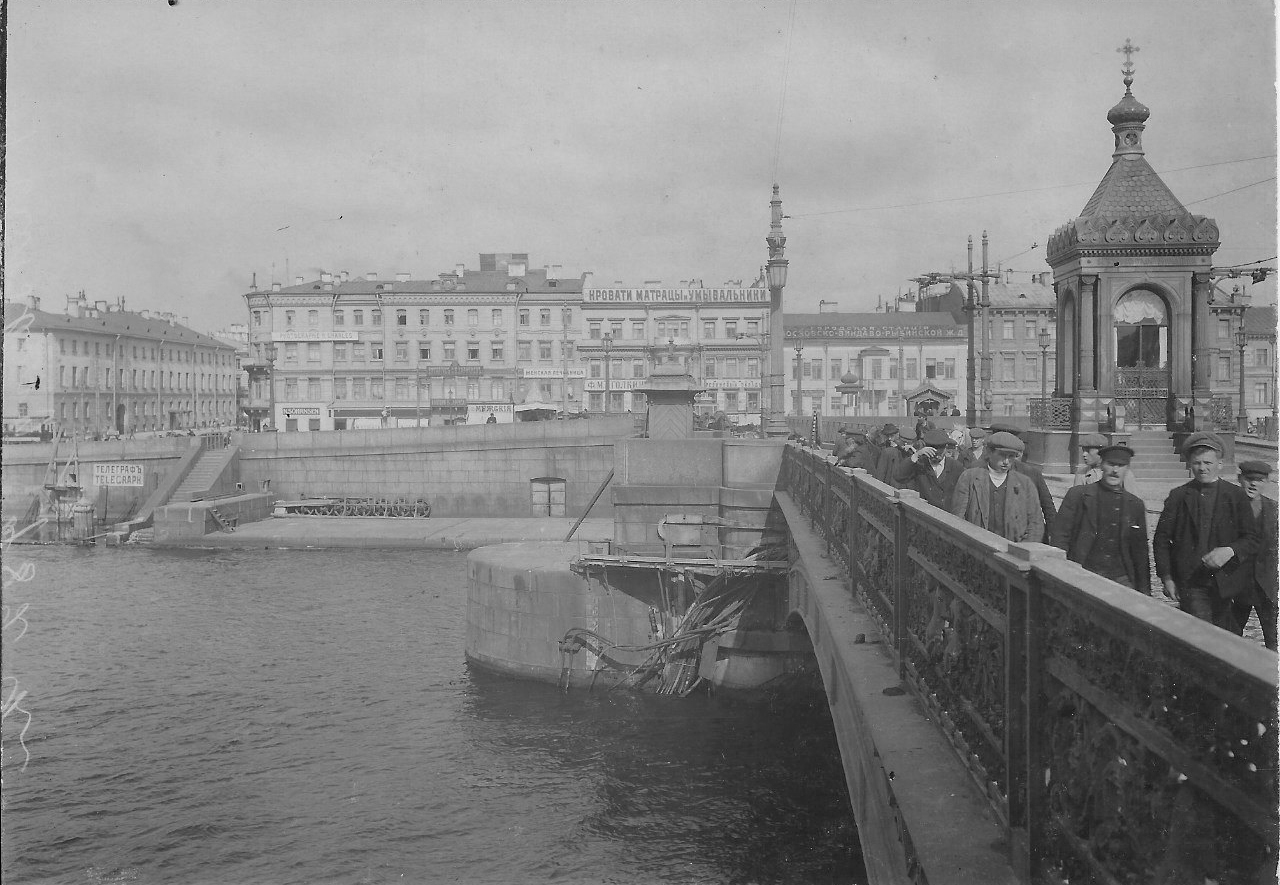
point(118, 474)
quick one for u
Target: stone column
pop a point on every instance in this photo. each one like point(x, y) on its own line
point(1203, 355)
point(1086, 318)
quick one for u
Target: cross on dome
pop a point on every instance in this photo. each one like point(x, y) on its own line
point(1127, 68)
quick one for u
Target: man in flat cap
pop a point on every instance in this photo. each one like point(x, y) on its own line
point(929, 471)
point(890, 455)
point(972, 449)
point(1261, 595)
point(1205, 535)
point(858, 451)
point(996, 496)
point(1045, 497)
point(1090, 469)
point(1103, 527)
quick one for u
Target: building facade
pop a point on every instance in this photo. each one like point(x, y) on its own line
point(888, 364)
point(100, 369)
point(473, 346)
point(340, 353)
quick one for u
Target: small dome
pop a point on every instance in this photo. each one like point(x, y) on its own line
point(1128, 111)
point(848, 378)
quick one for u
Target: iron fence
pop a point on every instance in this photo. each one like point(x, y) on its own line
point(1051, 413)
point(1118, 739)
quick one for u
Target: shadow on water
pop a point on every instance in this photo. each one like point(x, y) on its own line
point(741, 788)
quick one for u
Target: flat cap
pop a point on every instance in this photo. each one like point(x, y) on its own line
point(1092, 441)
point(1259, 469)
point(1202, 440)
point(936, 438)
point(1005, 428)
point(1117, 453)
point(976, 433)
point(889, 430)
point(1005, 442)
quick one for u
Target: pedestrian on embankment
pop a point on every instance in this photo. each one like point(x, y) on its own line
point(1103, 527)
point(1261, 595)
point(1205, 535)
point(996, 496)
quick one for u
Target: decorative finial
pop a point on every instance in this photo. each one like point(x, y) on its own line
point(1127, 68)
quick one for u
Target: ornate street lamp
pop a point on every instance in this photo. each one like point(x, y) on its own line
point(1242, 341)
point(799, 380)
point(776, 277)
point(608, 349)
point(270, 352)
point(1044, 339)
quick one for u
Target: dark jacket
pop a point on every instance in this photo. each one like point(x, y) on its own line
point(1174, 542)
point(1042, 492)
point(1264, 561)
point(864, 455)
point(919, 476)
point(1076, 526)
point(887, 465)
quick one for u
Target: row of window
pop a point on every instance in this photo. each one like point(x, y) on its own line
point(1030, 330)
point(875, 367)
point(670, 329)
point(74, 410)
point(375, 351)
point(401, 316)
point(401, 389)
point(173, 354)
point(141, 379)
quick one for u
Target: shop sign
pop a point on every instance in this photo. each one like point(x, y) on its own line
point(315, 335)
point(502, 413)
point(301, 411)
point(453, 370)
point(118, 475)
point(879, 332)
point(550, 373)
point(731, 383)
point(676, 296)
point(597, 384)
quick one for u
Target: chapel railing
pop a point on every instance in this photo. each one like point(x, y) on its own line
point(1115, 736)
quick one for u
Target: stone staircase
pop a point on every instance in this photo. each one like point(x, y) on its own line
point(1154, 456)
point(202, 475)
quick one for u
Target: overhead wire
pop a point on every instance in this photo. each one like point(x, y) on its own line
point(782, 98)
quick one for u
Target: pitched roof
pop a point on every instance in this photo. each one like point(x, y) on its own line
point(1131, 188)
point(1261, 320)
point(115, 322)
point(472, 281)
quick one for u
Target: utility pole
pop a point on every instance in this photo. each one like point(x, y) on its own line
point(986, 340)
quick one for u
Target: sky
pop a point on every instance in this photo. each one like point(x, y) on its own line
point(166, 151)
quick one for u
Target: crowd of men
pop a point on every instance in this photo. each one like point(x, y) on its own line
point(1214, 544)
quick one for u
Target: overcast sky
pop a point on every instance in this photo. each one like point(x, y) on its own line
point(167, 153)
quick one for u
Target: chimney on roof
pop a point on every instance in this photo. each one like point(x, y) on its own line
point(344, 276)
point(326, 277)
point(586, 278)
point(556, 270)
point(145, 313)
point(297, 281)
point(275, 287)
point(459, 269)
point(100, 306)
point(370, 276)
point(516, 268)
point(684, 284)
point(402, 277)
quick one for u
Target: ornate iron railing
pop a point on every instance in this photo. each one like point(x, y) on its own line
point(1051, 413)
point(1119, 740)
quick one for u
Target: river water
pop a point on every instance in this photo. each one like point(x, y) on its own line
point(272, 716)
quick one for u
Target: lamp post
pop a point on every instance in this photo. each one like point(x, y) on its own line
point(985, 304)
point(1242, 341)
point(270, 352)
point(902, 371)
point(763, 341)
point(776, 277)
point(608, 349)
point(799, 380)
point(1044, 340)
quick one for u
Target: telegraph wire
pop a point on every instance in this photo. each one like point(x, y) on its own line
point(1037, 190)
point(1232, 191)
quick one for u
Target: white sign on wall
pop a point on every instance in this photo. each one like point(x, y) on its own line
point(597, 384)
point(118, 475)
point(480, 413)
point(315, 335)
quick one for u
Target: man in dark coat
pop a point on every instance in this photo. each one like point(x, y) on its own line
point(1037, 476)
point(929, 471)
point(1262, 595)
point(1205, 535)
point(858, 452)
point(1103, 527)
point(998, 498)
point(890, 455)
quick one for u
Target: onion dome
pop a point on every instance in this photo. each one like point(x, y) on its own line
point(1128, 111)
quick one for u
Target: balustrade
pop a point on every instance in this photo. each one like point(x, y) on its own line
point(1117, 738)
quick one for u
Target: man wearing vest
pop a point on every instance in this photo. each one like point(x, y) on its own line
point(1103, 527)
point(1205, 535)
point(997, 497)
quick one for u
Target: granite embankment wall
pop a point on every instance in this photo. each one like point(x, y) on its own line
point(480, 470)
point(25, 464)
point(483, 470)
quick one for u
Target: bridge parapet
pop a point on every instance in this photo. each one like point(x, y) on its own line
point(1116, 738)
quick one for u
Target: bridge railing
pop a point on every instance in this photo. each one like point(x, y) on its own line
point(1116, 737)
